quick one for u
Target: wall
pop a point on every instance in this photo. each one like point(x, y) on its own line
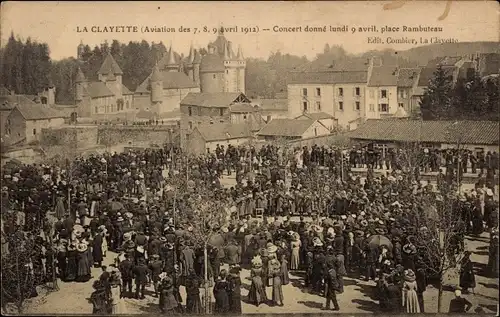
point(472, 147)
point(4, 114)
point(404, 97)
point(172, 98)
point(373, 97)
point(17, 128)
point(211, 84)
point(296, 99)
point(234, 142)
point(195, 144)
point(39, 125)
point(316, 129)
point(349, 99)
point(109, 135)
point(76, 137)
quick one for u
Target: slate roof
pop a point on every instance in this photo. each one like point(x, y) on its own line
point(97, 89)
point(242, 108)
point(126, 91)
point(444, 60)
point(426, 74)
point(407, 76)
point(272, 104)
point(317, 116)
point(110, 66)
point(224, 131)
point(212, 63)
point(8, 102)
point(207, 99)
point(468, 132)
point(36, 111)
point(335, 77)
point(286, 127)
point(171, 80)
point(383, 76)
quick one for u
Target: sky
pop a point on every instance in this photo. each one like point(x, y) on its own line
point(57, 24)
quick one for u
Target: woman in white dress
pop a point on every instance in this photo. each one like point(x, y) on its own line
point(410, 299)
point(295, 246)
point(115, 283)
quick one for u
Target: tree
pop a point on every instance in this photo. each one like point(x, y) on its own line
point(492, 87)
point(436, 102)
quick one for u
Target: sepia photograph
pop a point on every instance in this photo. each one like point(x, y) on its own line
point(237, 157)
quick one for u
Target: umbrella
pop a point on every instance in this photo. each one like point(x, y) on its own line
point(116, 206)
point(378, 240)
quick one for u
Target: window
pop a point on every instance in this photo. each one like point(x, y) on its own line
point(190, 124)
point(190, 111)
point(304, 106)
point(304, 91)
point(244, 116)
point(357, 91)
point(341, 105)
point(318, 92)
point(401, 105)
point(315, 131)
point(341, 92)
point(34, 131)
point(318, 105)
point(384, 107)
point(221, 112)
point(383, 93)
point(372, 107)
point(358, 106)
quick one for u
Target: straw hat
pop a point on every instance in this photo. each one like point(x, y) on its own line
point(140, 249)
point(317, 242)
point(343, 217)
point(271, 248)
point(81, 247)
point(317, 228)
point(120, 219)
point(127, 236)
point(129, 215)
point(364, 222)
point(257, 262)
point(409, 275)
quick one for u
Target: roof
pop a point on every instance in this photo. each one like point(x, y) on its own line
point(197, 57)
point(272, 104)
point(211, 63)
point(4, 91)
point(242, 108)
point(407, 76)
point(126, 91)
point(171, 80)
point(383, 76)
point(64, 111)
point(444, 60)
point(146, 114)
point(36, 111)
point(217, 99)
point(427, 73)
point(468, 132)
point(220, 44)
point(8, 102)
point(96, 89)
point(335, 77)
point(317, 116)
point(80, 77)
point(224, 131)
point(110, 66)
point(286, 127)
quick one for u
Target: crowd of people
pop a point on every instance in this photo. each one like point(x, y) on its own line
point(143, 206)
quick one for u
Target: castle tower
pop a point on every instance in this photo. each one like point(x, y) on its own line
point(80, 50)
point(241, 69)
point(212, 74)
point(196, 67)
point(189, 64)
point(171, 65)
point(156, 83)
point(81, 84)
point(111, 74)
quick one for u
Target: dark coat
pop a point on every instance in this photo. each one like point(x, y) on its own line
point(126, 268)
point(141, 273)
point(97, 251)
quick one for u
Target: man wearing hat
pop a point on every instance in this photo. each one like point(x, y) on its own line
point(156, 267)
point(126, 269)
point(141, 273)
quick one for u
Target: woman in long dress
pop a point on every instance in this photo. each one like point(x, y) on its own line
point(221, 290)
point(467, 277)
point(295, 258)
point(193, 302)
point(410, 298)
point(257, 294)
point(285, 277)
point(83, 273)
point(116, 302)
point(275, 273)
point(71, 263)
point(234, 281)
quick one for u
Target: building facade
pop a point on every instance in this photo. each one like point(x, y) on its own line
point(105, 97)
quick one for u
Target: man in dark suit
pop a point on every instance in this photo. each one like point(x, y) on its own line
point(68, 224)
point(233, 253)
point(141, 273)
point(156, 267)
point(126, 268)
point(331, 287)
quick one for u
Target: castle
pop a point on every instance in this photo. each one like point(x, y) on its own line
point(173, 77)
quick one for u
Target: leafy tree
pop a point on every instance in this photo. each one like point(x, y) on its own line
point(436, 102)
point(492, 87)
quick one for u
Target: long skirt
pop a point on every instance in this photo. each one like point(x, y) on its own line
point(193, 304)
point(257, 293)
point(294, 260)
point(277, 290)
point(411, 303)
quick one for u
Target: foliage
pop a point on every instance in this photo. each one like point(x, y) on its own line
point(26, 66)
point(435, 103)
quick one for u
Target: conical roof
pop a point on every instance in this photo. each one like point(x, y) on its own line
point(171, 58)
point(226, 52)
point(156, 76)
point(80, 77)
point(110, 66)
point(190, 58)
